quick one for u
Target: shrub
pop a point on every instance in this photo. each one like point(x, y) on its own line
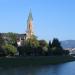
point(11, 50)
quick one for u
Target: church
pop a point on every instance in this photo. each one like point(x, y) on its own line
point(29, 31)
point(21, 37)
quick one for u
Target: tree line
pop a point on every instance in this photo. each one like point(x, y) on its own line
point(30, 47)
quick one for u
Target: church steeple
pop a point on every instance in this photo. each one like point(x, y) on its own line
point(30, 16)
point(29, 25)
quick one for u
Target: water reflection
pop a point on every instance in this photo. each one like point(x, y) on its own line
point(61, 69)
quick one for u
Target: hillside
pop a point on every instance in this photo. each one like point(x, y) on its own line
point(68, 44)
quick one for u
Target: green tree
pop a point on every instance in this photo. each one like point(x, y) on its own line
point(34, 37)
point(49, 48)
point(1, 40)
point(30, 47)
point(56, 47)
point(44, 47)
point(11, 50)
point(43, 43)
point(33, 42)
point(12, 37)
point(50, 45)
point(56, 43)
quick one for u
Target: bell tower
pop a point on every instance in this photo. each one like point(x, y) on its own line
point(29, 32)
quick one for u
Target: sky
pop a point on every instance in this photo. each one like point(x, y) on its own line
point(51, 18)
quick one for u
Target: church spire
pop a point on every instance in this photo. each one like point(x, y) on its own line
point(30, 16)
point(29, 25)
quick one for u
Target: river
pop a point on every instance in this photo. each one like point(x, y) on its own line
point(60, 69)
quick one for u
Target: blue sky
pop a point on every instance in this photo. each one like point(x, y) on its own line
point(51, 18)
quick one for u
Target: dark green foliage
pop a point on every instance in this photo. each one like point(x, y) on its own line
point(66, 52)
point(57, 51)
point(1, 40)
point(10, 49)
point(56, 43)
point(55, 48)
point(50, 48)
point(42, 48)
point(32, 43)
point(43, 43)
point(50, 45)
point(21, 51)
point(2, 52)
point(12, 37)
point(31, 47)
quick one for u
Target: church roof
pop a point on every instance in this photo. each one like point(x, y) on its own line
point(21, 35)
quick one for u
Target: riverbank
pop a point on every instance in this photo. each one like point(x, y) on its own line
point(37, 60)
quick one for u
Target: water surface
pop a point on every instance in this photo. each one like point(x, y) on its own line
point(60, 69)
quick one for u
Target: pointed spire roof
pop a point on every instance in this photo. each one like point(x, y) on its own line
point(30, 16)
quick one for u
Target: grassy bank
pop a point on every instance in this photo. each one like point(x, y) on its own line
point(37, 60)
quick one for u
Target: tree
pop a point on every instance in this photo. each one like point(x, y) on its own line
point(34, 37)
point(56, 43)
point(30, 47)
point(66, 52)
point(50, 45)
point(44, 47)
point(11, 50)
point(43, 43)
point(33, 42)
point(56, 47)
point(22, 50)
point(49, 48)
point(12, 37)
point(2, 52)
point(1, 40)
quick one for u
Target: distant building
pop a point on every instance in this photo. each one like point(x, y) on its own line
point(71, 50)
